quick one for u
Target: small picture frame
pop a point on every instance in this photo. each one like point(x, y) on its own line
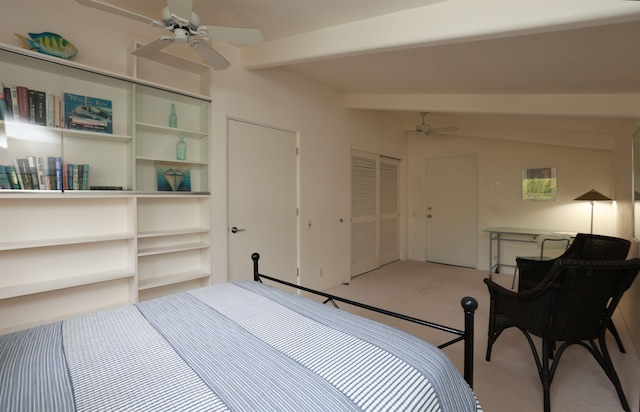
point(539, 184)
point(173, 177)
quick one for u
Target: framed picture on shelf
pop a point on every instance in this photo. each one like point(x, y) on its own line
point(539, 184)
point(173, 177)
point(88, 113)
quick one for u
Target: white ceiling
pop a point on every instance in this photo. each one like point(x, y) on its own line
point(278, 18)
point(449, 47)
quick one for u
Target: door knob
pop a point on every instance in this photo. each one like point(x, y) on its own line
point(236, 230)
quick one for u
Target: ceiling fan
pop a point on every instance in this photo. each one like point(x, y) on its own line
point(184, 25)
point(425, 129)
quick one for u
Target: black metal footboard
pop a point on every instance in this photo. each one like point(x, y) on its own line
point(469, 305)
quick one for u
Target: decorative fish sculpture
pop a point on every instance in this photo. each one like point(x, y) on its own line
point(49, 43)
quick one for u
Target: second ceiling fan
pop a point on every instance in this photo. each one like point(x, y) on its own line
point(425, 129)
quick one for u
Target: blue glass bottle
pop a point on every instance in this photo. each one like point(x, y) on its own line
point(173, 117)
point(181, 150)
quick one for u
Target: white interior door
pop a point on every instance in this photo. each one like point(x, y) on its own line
point(262, 201)
point(451, 211)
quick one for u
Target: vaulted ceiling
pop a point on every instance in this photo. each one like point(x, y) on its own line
point(447, 56)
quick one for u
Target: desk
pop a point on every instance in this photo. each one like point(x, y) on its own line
point(512, 234)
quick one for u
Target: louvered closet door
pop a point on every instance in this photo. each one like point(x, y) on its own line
point(389, 250)
point(365, 254)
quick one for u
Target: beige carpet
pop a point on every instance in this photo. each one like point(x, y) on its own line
point(510, 381)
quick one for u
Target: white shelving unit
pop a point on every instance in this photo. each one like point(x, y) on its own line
point(68, 252)
point(173, 243)
point(156, 141)
point(59, 243)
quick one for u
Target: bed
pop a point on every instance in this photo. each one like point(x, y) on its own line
point(235, 346)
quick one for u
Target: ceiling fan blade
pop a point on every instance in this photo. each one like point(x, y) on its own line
point(154, 46)
point(181, 8)
point(97, 4)
point(239, 35)
point(209, 55)
point(445, 129)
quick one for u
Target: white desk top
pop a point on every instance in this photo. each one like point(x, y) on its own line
point(525, 231)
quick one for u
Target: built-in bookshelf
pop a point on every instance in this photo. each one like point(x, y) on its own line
point(156, 141)
point(133, 225)
point(173, 243)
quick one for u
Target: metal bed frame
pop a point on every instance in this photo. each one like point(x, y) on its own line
point(469, 305)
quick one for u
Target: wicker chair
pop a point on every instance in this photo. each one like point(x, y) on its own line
point(584, 247)
point(545, 243)
point(573, 304)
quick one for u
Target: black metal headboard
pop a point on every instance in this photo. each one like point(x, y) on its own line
point(469, 305)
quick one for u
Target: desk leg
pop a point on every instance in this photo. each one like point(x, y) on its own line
point(498, 253)
point(490, 254)
point(494, 236)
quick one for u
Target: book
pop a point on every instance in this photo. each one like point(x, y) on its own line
point(80, 175)
point(58, 175)
point(51, 172)
point(8, 104)
point(33, 170)
point(85, 176)
point(40, 117)
point(42, 181)
point(58, 112)
point(105, 187)
point(88, 113)
point(13, 177)
point(75, 180)
point(50, 109)
point(13, 91)
point(16, 165)
point(68, 176)
point(23, 104)
point(3, 103)
point(173, 177)
point(4, 179)
point(32, 105)
point(25, 173)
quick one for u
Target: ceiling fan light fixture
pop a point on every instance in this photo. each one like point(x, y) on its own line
point(166, 17)
point(423, 128)
point(181, 35)
point(203, 32)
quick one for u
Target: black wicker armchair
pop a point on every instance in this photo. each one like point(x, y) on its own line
point(584, 247)
point(573, 304)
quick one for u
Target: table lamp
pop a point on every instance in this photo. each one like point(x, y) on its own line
point(592, 195)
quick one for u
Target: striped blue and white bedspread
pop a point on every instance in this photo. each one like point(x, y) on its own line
point(238, 346)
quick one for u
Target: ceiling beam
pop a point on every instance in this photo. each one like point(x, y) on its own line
point(599, 105)
point(445, 22)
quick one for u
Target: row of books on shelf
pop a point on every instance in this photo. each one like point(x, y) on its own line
point(34, 173)
point(44, 108)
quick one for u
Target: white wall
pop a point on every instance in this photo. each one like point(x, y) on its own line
point(500, 165)
point(326, 129)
